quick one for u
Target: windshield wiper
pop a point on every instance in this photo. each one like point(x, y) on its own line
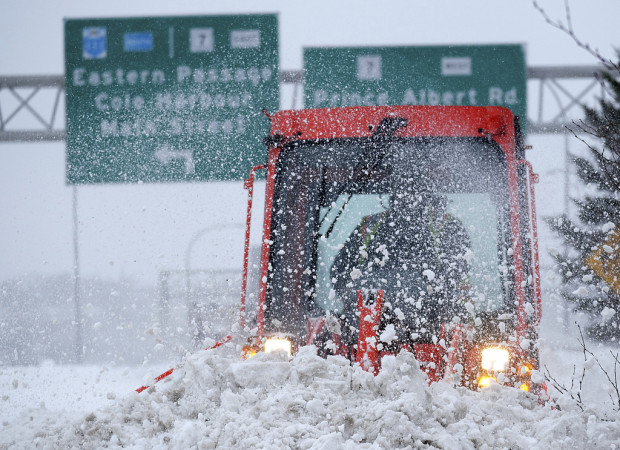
point(380, 140)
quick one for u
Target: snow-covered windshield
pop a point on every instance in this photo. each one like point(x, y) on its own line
point(424, 219)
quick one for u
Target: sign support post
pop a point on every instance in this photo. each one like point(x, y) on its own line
point(79, 343)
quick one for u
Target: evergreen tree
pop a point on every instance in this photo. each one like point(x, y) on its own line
point(590, 268)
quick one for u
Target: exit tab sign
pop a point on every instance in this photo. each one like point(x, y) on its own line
point(168, 99)
point(481, 75)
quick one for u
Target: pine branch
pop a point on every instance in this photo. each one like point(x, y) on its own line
point(611, 180)
point(589, 174)
point(572, 234)
point(599, 211)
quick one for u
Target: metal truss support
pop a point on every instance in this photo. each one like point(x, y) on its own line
point(557, 96)
point(29, 108)
point(32, 107)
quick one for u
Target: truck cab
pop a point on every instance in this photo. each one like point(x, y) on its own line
point(401, 228)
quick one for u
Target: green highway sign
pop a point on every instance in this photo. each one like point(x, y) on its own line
point(168, 99)
point(434, 75)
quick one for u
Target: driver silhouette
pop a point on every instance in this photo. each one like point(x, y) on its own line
point(417, 253)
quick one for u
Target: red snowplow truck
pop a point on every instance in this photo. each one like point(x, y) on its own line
point(401, 228)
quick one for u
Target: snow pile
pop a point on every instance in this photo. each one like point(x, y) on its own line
point(217, 401)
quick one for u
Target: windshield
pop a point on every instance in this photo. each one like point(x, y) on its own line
point(424, 219)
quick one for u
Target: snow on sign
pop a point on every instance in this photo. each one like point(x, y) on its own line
point(434, 75)
point(168, 99)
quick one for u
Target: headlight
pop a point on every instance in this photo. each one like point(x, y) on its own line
point(278, 345)
point(248, 351)
point(485, 381)
point(495, 359)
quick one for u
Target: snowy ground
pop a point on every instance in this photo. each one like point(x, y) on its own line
point(214, 400)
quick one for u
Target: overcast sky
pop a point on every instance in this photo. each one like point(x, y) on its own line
point(32, 31)
point(137, 231)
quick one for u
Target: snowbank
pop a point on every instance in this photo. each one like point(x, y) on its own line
point(217, 401)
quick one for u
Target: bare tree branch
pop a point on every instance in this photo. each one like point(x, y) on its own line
point(614, 382)
point(563, 389)
point(577, 396)
point(568, 29)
